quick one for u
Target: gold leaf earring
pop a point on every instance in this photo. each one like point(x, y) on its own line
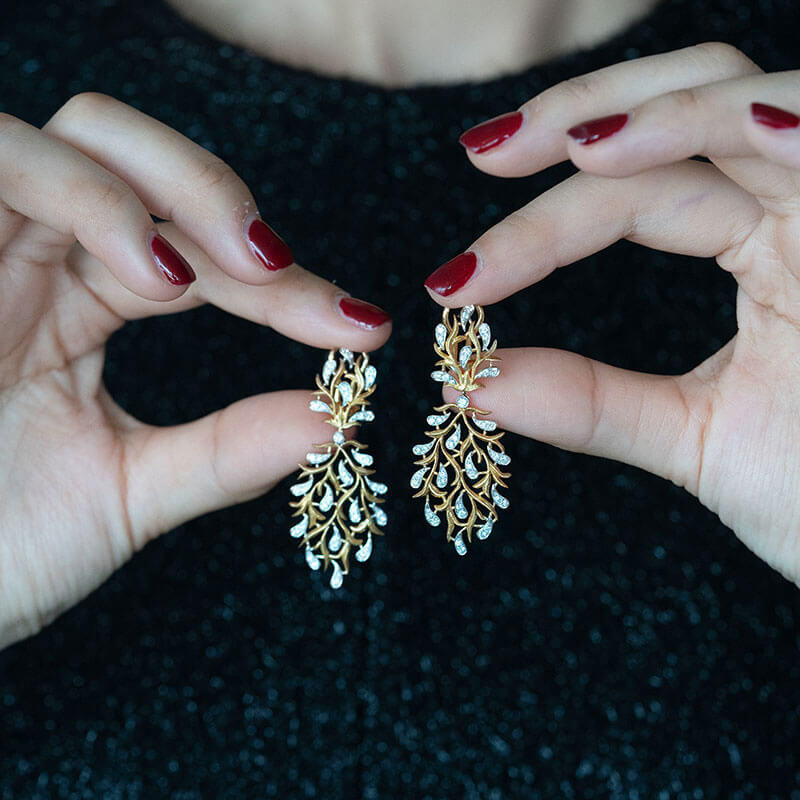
point(338, 503)
point(460, 472)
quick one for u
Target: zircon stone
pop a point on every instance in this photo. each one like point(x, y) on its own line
point(418, 477)
point(338, 438)
point(327, 500)
point(378, 514)
point(486, 528)
point(470, 468)
point(345, 476)
point(335, 542)
point(463, 401)
point(370, 374)
point(365, 459)
point(301, 488)
point(454, 438)
point(466, 313)
point(311, 559)
point(365, 551)
point(318, 405)
point(461, 547)
point(441, 334)
point(336, 578)
point(300, 529)
point(485, 332)
point(463, 356)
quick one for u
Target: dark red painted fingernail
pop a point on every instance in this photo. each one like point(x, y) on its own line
point(491, 133)
point(450, 277)
point(174, 267)
point(773, 117)
point(596, 129)
point(268, 247)
point(364, 314)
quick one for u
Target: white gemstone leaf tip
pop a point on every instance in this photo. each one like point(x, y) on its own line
point(311, 559)
point(441, 477)
point(317, 458)
point(328, 371)
point(345, 476)
point(365, 459)
point(370, 375)
point(299, 530)
point(318, 405)
point(466, 313)
point(346, 354)
point(301, 488)
point(501, 501)
point(454, 438)
point(470, 468)
point(431, 517)
point(485, 332)
point(362, 416)
point(486, 528)
point(436, 420)
point(418, 477)
point(499, 458)
point(421, 449)
point(441, 334)
point(461, 547)
point(336, 578)
point(487, 425)
point(443, 377)
point(365, 551)
point(377, 488)
point(460, 508)
point(489, 372)
point(378, 514)
point(354, 513)
point(327, 499)
point(463, 356)
point(335, 542)
point(346, 392)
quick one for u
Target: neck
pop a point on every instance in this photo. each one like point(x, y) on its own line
point(413, 42)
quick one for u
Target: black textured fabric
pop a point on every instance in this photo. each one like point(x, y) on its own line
point(611, 639)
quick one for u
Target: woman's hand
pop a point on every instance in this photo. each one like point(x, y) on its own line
point(83, 485)
point(729, 430)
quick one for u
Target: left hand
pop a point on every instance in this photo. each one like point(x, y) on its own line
point(729, 430)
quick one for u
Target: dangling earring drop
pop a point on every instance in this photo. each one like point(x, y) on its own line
point(339, 504)
point(460, 472)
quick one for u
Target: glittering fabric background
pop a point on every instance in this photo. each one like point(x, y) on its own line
point(611, 639)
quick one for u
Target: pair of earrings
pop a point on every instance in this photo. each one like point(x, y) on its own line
point(460, 467)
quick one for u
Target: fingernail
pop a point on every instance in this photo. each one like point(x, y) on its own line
point(364, 314)
point(450, 277)
point(268, 247)
point(491, 133)
point(174, 267)
point(596, 129)
point(773, 117)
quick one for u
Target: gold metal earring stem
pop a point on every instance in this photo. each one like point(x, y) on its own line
point(338, 502)
point(460, 472)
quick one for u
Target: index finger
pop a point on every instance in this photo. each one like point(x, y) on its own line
point(177, 180)
point(533, 138)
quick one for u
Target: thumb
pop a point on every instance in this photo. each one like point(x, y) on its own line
point(232, 455)
point(578, 404)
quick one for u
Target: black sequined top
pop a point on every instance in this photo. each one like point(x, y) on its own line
point(611, 639)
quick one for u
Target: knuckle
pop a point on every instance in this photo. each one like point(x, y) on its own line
point(114, 195)
point(85, 105)
point(213, 173)
point(684, 101)
point(724, 57)
point(579, 89)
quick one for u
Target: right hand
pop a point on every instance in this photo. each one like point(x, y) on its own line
point(83, 485)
